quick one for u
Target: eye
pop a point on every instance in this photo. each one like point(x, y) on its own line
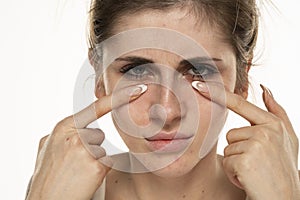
point(139, 70)
point(134, 71)
point(200, 71)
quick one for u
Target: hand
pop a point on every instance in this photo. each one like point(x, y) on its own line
point(261, 158)
point(71, 164)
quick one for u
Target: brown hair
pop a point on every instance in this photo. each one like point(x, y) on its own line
point(238, 19)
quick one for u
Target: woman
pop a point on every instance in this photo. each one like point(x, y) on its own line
point(154, 89)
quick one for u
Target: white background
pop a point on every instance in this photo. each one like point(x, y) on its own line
point(42, 48)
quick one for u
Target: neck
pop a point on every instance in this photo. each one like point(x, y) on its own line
point(198, 183)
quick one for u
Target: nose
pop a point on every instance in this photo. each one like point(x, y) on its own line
point(167, 109)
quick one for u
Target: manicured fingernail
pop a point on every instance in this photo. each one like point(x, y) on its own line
point(200, 86)
point(138, 90)
point(266, 90)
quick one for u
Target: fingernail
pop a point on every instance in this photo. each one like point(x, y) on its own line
point(266, 91)
point(200, 86)
point(138, 90)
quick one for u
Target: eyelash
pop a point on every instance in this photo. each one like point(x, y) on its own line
point(185, 72)
point(210, 70)
point(127, 68)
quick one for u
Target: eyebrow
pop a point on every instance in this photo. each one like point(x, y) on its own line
point(135, 59)
point(141, 60)
point(199, 60)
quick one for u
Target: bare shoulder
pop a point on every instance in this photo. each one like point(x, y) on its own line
point(122, 182)
point(118, 181)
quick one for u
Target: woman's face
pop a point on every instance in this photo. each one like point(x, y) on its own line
point(174, 127)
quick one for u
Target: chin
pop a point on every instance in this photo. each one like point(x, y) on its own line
point(180, 167)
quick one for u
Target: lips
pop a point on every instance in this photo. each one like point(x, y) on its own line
point(168, 142)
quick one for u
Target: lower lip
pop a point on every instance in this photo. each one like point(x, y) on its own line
point(168, 146)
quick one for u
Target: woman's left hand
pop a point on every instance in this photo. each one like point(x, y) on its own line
point(261, 158)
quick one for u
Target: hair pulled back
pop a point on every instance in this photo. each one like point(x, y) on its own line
point(238, 19)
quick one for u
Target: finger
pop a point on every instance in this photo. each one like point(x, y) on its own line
point(276, 109)
point(96, 151)
point(107, 161)
point(42, 142)
point(104, 105)
point(217, 93)
point(41, 145)
point(91, 136)
point(237, 148)
point(231, 168)
point(240, 134)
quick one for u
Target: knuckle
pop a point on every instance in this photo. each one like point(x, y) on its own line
point(99, 132)
point(279, 126)
point(102, 151)
point(263, 132)
point(256, 146)
point(42, 141)
point(64, 124)
point(239, 165)
point(74, 140)
point(78, 151)
point(226, 151)
point(243, 164)
point(100, 170)
point(230, 135)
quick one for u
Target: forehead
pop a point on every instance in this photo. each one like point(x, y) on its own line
point(210, 37)
point(178, 19)
point(199, 30)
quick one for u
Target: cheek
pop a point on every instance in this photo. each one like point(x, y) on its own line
point(111, 81)
point(229, 79)
point(139, 110)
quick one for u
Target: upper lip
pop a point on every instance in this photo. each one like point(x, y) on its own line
point(168, 136)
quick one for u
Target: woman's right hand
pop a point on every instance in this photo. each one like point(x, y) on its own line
point(70, 160)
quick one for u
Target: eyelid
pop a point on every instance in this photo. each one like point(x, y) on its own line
point(207, 65)
point(128, 67)
point(182, 69)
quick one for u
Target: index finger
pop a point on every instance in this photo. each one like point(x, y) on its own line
point(104, 105)
point(236, 103)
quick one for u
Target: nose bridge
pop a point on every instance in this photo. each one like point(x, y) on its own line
point(168, 98)
point(168, 77)
point(167, 84)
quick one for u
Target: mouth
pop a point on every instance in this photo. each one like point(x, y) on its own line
point(168, 142)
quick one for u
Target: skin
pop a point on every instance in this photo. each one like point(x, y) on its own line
point(188, 165)
point(260, 160)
